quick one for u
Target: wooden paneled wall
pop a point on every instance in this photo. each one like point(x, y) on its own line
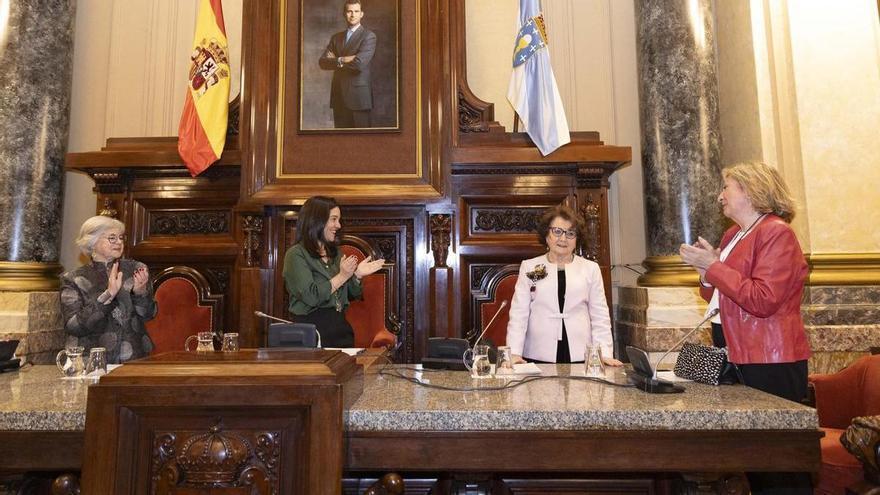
point(472, 206)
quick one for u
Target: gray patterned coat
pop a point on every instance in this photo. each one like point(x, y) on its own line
point(119, 325)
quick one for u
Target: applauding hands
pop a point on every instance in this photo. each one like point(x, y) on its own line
point(349, 266)
point(368, 266)
point(700, 255)
point(115, 277)
point(114, 280)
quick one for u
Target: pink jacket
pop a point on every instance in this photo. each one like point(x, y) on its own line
point(760, 285)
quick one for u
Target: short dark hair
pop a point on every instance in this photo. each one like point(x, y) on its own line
point(346, 3)
point(565, 213)
point(313, 217)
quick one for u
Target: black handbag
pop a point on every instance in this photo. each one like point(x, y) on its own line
point(705, 364)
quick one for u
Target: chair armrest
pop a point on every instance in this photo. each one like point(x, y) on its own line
point(862, 440)
point(384, 338)
point(834, 398)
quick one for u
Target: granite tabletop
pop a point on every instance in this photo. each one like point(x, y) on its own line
point(37, 398)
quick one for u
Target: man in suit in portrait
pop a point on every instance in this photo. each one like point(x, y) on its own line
point(349, 54)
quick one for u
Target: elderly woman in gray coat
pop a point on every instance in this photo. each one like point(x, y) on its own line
point(106, 302)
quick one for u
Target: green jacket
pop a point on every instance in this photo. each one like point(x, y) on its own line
point(307, 280)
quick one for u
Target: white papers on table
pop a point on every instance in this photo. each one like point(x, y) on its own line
point(669, 376)
point(522, 369)
point(351, 351)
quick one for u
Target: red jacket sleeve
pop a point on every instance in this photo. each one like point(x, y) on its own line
point(760, 281)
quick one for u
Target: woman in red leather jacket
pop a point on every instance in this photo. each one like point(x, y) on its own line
point(756, 278)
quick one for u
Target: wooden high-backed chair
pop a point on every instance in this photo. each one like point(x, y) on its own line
point(496, 286)
point(374, 322)
point(186, 306)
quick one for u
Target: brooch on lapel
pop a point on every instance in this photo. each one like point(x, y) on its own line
point(538, 273)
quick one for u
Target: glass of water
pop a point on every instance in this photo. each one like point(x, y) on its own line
point(593, 365)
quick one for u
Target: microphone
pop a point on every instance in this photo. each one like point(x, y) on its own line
point(500, 308)
point(704, 320)
point(264, 315)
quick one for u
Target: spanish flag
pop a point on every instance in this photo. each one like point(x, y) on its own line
point(202, 131)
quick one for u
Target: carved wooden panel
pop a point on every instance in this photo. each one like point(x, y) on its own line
point(154, 218)
point(505, 220)
point(216, 458)
point(234, 449)
point(170, 222)
point(256, 422)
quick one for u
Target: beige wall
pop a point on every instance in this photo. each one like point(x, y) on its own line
point(836, 60)
point(800, 89)
point(129, 79)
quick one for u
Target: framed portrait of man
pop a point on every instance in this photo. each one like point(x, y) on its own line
point(298, 137)
point(349, 66)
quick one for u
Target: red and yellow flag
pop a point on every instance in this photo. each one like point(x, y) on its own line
point(202, 131)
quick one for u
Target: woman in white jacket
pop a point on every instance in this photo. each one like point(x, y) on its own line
point(559, 302)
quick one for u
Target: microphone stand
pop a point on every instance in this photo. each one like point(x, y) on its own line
point(264, 315)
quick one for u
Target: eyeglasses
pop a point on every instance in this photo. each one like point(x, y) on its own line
point(113, 238)
point(557, 232)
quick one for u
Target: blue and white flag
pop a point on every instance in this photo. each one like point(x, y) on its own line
point(532, 91)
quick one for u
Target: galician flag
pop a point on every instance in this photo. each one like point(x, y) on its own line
point(532, 91)
point(202, 131)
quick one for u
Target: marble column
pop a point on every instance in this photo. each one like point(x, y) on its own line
point(36, 53)
point(678, 104)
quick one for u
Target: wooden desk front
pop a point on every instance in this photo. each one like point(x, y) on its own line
point(548, 426)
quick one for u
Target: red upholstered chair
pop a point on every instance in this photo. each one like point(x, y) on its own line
point(374, 322)
point(186, 306)
point(840, 397)
point(496, 286)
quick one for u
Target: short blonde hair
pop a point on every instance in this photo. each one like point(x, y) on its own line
point(765, 188)
point(93, 228)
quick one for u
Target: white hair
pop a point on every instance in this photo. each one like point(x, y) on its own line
point(93, 228)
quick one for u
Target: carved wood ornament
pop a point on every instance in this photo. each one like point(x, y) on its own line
point(253, 231)
point(441, 227)
point(216, 459)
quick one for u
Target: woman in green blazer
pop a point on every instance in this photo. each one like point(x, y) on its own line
point(319, 278)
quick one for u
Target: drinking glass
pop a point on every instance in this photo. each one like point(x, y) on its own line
point(504, 364)
point(593, 365)
point(481, 366)
point(230, 342)
point(97, 364)
point(204, 341)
